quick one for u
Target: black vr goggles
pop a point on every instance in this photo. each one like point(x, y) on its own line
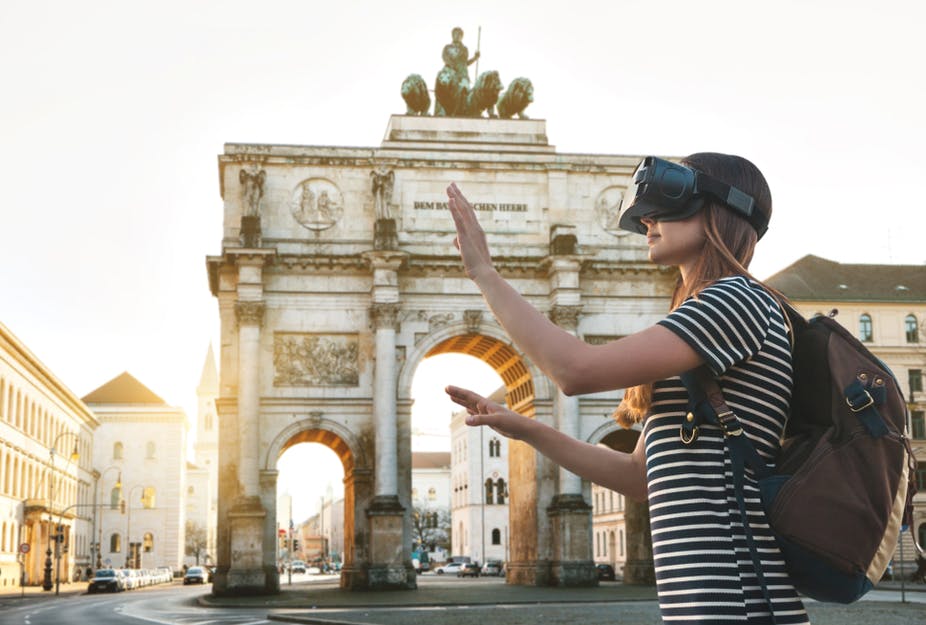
point(665, 191)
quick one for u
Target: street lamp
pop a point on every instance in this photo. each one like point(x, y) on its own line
point(98, 527)
point(75, 455)
point(128, 528)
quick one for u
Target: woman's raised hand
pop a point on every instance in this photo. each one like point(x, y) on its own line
point(471, 238)
point(483, 411)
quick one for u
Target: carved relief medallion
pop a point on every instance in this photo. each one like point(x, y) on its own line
point(608, 210)
point(315, 359)
point(317, 203)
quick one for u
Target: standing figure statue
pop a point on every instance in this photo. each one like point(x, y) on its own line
point(252, 191)
point(383, 183)
point(452, 85)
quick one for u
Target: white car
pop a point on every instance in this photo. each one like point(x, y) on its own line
point(450, 568)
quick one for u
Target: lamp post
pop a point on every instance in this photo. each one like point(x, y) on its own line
point(128, 528)
point(75, 455)
point(98, 526)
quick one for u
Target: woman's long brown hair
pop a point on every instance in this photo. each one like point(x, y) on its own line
point(728, 248)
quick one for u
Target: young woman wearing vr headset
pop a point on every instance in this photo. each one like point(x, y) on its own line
point(703, 216)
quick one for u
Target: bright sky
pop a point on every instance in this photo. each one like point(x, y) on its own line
point(113, 114)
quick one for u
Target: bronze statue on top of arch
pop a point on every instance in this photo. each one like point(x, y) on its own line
point(453, 95)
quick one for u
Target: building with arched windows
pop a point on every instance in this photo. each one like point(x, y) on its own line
point(46, 475)
point(479, 489)
point(140, 451)
point(884, 306)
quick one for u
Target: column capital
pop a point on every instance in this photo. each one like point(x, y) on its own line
point(384, 315)
point(566, 316)
point(250, 313)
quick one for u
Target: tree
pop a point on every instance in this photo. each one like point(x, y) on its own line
point(430, 527)
point(195, 539)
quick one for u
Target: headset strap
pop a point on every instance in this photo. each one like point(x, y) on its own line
point(739, 201)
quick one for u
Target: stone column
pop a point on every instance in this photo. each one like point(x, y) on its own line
point(384, 316)
point(570, 515)
point(250, 317)
point(389, 557)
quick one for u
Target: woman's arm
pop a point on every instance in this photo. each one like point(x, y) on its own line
point(575, 366)
point(621, 472)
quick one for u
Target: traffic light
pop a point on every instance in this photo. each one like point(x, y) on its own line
point(295, 544)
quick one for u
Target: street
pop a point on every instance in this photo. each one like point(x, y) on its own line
point(451, 601)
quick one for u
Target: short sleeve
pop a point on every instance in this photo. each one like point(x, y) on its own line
point(726, 323)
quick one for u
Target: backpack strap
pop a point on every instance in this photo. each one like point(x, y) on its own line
point(706, 404)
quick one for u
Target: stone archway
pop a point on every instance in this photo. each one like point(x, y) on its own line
point(357, 486)
point(331, 288)
point(520, 395)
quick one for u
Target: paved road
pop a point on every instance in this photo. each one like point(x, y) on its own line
point(450, 601)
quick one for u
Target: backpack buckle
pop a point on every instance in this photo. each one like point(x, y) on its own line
point(729, 424)
point(865, 399)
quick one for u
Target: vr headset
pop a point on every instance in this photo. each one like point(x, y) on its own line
point(665, 191)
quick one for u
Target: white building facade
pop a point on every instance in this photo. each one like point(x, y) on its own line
point(140, 450)
point(479, 490)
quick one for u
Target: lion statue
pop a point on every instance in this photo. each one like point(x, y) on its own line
point(484, 95)
point(520, 93)
point(415, 94)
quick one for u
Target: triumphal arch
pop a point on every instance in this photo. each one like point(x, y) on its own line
point(338, 277)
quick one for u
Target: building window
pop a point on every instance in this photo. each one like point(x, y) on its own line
point(621, 534)
point(915, 376)
point(148, 542)
point(921, 478)
point(911, 329)
point(918, 422)
point(147, 497)
point(501, 491)
point(432, 494)
point(150, 450)
point(114, 496)
point(495, 448)
point(490, 487)
point(115, 543)
point(864, 328)
point(208, 424)
point(496, 536)
point(922, 533)
point(117, 450)
point(189, 491)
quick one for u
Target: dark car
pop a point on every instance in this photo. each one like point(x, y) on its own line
point(195, 575)
point(606, 572)
point(470, 569)
point(106, 580)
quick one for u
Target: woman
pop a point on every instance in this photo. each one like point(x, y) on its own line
point(704, 217)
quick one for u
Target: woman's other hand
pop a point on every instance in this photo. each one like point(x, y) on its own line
point(483, 411)
point(471, 238)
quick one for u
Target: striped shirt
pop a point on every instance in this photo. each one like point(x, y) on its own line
point(704, 571)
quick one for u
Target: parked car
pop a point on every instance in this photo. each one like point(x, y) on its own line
point(450, 567)
point(194, 575)
point(606, 572)
point(470, 569)
point(495, 568)
point(106, 580)
point(298, 566)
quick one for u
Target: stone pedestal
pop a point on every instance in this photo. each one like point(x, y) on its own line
point(639, 567)
point(570, 520)
point(247, 574)
point(385, 235)
point(389, 568)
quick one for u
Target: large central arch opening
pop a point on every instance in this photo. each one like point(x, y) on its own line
point(492, 481)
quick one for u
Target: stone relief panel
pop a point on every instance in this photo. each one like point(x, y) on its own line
point(608, 210)
point(315, 359)
point(317, 203)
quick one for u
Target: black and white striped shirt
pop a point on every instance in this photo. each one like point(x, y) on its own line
point(704, 572)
